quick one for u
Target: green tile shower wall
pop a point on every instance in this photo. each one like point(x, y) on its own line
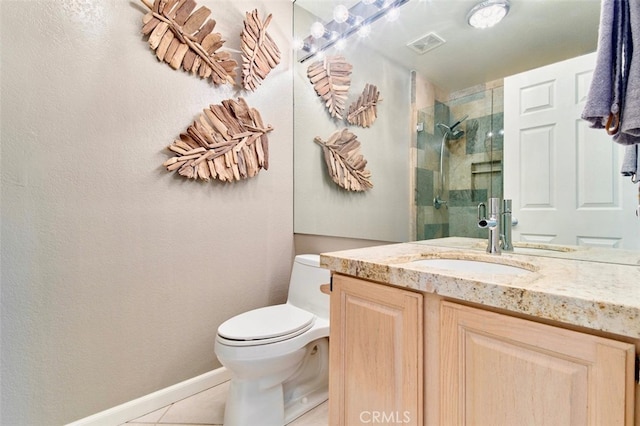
point(424, 187)
point(477, 130)
point(435, 231)
point(467, 197)
point(459, 218)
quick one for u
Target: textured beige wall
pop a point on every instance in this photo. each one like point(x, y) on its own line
point(115, 273)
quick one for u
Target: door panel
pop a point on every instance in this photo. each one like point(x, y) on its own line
point(564, 177)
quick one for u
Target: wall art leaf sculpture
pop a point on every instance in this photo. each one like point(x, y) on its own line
point(260, 54)
point(227, 142)
point(183, 39)
point(331, 79)
point(345, 164)
point(364, 112)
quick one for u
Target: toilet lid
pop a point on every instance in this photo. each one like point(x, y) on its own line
point(266, 323)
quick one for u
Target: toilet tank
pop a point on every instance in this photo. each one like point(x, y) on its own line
point(304, 286)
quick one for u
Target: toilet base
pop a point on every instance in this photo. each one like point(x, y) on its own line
point(256, 402)
point(308, 387)
point(270, 411)
point(244, 408)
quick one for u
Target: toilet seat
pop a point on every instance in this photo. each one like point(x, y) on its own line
point(265, 325)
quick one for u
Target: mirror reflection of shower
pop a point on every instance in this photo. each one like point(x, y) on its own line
point(449, 133)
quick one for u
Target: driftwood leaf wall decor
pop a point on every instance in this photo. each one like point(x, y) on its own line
point(345, 164)
point(331, 79)
point(227, 142)
point(260, 54)
point(363, 112)
point(181, 38)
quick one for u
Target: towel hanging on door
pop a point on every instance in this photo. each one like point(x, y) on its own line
point(630, 118)
point(613, 102)
point(600, 100)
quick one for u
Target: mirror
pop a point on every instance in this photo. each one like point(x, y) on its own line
point(534, 33)
point(421, 89)
point(321, 207)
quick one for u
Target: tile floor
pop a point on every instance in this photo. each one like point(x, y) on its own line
point(207, 408)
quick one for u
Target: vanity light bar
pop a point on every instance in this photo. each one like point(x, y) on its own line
point(335, 31)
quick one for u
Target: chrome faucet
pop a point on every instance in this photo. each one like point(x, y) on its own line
point(499, 223)
point(491, 220)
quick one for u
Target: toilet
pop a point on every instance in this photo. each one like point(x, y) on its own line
point(278, 356)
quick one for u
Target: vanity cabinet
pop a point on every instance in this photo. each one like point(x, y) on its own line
point(376, 363)
point(501, 370)
point(417, 359)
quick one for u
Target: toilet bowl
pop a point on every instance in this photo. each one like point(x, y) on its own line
point(278, 356)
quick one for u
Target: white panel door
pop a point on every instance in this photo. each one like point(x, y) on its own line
point(564, 177)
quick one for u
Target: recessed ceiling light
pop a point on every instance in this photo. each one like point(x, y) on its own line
point(488, 13)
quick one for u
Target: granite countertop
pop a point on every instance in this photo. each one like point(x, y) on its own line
point(592, 294)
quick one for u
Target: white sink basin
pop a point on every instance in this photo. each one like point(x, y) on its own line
point(472, 266)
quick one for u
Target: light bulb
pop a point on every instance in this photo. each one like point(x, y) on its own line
point(364, 31)
point(340, 14)
point(393, 14)
point(297, 44)
point(317, 29)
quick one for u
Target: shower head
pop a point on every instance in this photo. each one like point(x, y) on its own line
point(456, 134)
point(449, 131)
point(443, 128)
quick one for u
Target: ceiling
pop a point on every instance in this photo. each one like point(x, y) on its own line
point(534, 33)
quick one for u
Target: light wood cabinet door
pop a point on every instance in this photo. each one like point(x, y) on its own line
point(375, 354)
point(500, 370)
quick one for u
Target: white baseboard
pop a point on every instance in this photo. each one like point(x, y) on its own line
point(146, 404)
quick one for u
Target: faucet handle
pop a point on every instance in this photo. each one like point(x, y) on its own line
point(482, 207)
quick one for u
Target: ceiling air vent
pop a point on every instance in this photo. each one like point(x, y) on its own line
point(426, 43)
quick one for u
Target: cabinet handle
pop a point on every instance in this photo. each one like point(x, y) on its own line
point(325, 288)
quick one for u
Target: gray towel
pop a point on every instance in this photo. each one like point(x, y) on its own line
point(599, 100)
point(630, 122)
point(613, 101)
point(630, 161)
